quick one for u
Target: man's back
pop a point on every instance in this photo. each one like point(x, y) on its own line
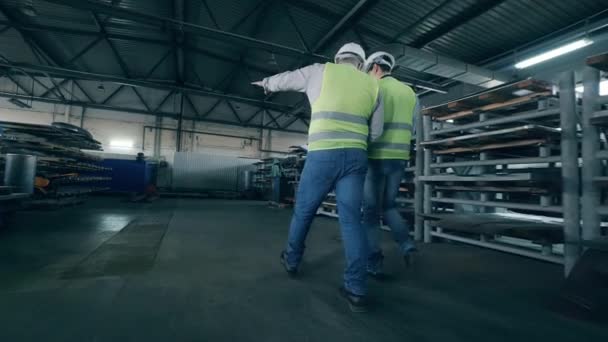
point(399, 106)
point(399, 100)
point(340, 115)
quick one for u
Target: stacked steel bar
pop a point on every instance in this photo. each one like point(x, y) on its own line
point(63, 168)
point(490, 171)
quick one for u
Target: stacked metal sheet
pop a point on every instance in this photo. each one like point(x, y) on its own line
point(62, 160)
point(493, 153)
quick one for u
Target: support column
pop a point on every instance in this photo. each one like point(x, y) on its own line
point(180, 120)
point(426, 134)
point(570, 172)
point(68, 107)
point(419, 186)
point(485, 196)
point(544, 151)
point(157, 135)
point(82, 114)
point(591, 165)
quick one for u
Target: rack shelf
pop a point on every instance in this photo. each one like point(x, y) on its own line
point(600, 118)
point(498, 154)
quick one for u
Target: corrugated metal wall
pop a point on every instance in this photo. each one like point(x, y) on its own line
point(204, 171)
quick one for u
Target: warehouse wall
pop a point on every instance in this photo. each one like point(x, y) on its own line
point(123, 134)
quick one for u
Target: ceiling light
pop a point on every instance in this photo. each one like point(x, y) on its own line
point(19, 103)
point(554, 53)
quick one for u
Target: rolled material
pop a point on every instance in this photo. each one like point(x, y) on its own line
point(20, 172)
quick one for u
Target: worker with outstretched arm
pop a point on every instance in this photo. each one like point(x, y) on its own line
point(387, 161)
point(347, 112)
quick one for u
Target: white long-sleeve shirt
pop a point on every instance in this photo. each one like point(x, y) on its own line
point(309, 80)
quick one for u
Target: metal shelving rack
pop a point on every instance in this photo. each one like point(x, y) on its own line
point(594, 121)
point(291, 167)
point(501, 170)
point(65, 169)
point(262, 182)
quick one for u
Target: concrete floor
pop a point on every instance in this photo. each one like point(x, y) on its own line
point(207, 270)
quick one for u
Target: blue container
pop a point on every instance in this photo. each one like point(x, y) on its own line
point(130, 175)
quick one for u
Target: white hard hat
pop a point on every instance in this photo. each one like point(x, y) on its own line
point(380, 58)
point(352, 49)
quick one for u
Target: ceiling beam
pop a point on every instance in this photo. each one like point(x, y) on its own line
point(134, 110)
point(348, 21)
point(455, 22)
point(295, 25)
point(409, 29)
point(27, 37)
point(178, 37)
point(76, 74)
point(190, 28)
point(332, 16)
point(117, 56)
point(186, 46)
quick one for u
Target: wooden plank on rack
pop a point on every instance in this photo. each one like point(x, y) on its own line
point(484, 188)
point(495, 106)
point(520, 143)
point(501, 93)
point(525, 131)
point(513, 177)
point(600, 118)
point(496, 224)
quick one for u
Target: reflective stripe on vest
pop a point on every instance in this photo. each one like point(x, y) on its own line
point(340, 116)
point(336, 135)
point(399, 104)
point(396, 125)
point(389, 146)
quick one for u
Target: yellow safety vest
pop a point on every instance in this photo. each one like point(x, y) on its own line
point(399, 103)
point(340, 116)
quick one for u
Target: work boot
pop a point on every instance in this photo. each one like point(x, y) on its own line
point(355, 303)
point(291, 271)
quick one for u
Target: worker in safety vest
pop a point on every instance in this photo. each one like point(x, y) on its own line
point(388, 156)
point(347, 112)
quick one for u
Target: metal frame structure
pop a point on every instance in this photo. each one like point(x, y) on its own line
point(61, 71)
point(437, 169)
point(594, 120)
point(592, 160)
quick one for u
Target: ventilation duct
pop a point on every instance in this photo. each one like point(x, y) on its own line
point(446, 67)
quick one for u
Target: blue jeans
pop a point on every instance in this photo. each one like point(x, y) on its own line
point(382, 184)
point(344, 170)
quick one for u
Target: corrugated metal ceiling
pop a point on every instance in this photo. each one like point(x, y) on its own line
point(510, 24)
point(502, 26)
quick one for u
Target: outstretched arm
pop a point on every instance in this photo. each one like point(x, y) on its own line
point(296, 80)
